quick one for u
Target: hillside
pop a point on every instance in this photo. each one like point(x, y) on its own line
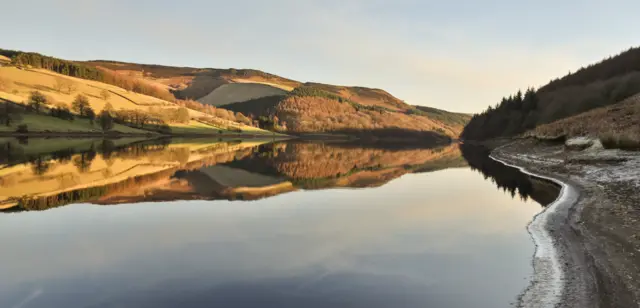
point(617, 121)
point(606, 83)
point(299, 107)
point(135, 106)
point(309, 109)
point(268, 101)
point(194, 83)
point(364, 96)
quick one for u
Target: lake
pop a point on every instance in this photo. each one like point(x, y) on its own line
point(256, 223)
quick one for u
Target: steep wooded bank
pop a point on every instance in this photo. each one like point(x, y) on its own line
point(603, 84)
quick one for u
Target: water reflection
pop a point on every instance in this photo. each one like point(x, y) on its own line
point(507, 178)
point(44, 173)
point(408, 236)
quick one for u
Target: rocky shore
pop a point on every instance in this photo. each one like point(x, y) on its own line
point(593, 258)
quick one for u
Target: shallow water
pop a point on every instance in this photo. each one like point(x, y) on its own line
point(398, 228)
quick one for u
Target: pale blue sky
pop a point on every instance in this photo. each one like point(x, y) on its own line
point(457, 55)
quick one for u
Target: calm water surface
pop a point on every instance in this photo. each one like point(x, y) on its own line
point(328, 226)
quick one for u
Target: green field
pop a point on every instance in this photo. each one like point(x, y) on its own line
point(45, 123)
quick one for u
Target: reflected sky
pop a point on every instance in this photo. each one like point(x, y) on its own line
point(442, 239)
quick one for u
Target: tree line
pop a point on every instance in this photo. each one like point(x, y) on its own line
point(513, 115)
point(621, 64)
point(607, 82)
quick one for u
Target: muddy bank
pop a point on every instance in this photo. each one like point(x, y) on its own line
point(595, 234)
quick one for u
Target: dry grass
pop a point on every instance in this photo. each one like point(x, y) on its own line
point(25, 81)
point(622, 119)
point(284, 86)
point(18, 85)
point(239, 92)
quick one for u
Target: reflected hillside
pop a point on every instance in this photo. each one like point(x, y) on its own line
point(276, 168)
point(42, 174)
point(322, 165)
point(509, 179)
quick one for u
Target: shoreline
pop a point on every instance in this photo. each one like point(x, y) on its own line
point(547, 282)
point(591, 257)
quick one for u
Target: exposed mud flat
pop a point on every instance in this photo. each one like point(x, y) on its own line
point(588, 241)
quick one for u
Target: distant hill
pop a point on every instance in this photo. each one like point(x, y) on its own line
point(283, 104)
point(299, 107)
point(605, 83)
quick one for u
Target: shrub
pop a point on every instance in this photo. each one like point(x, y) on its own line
point(106, 121)
point(36, 100)
point(22, 128)
point(9, 114)
point(81, 104)
point(62, 111)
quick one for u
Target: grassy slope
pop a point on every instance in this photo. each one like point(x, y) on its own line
point(43, 123)
point(195, 82)
point(619, 119)
point(22, 82)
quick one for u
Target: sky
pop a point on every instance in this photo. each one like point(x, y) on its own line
point(459, 55)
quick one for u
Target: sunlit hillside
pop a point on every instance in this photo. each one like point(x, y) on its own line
point(296, 107)
point(319, 165)
point(195, 83)
point(135, 102)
